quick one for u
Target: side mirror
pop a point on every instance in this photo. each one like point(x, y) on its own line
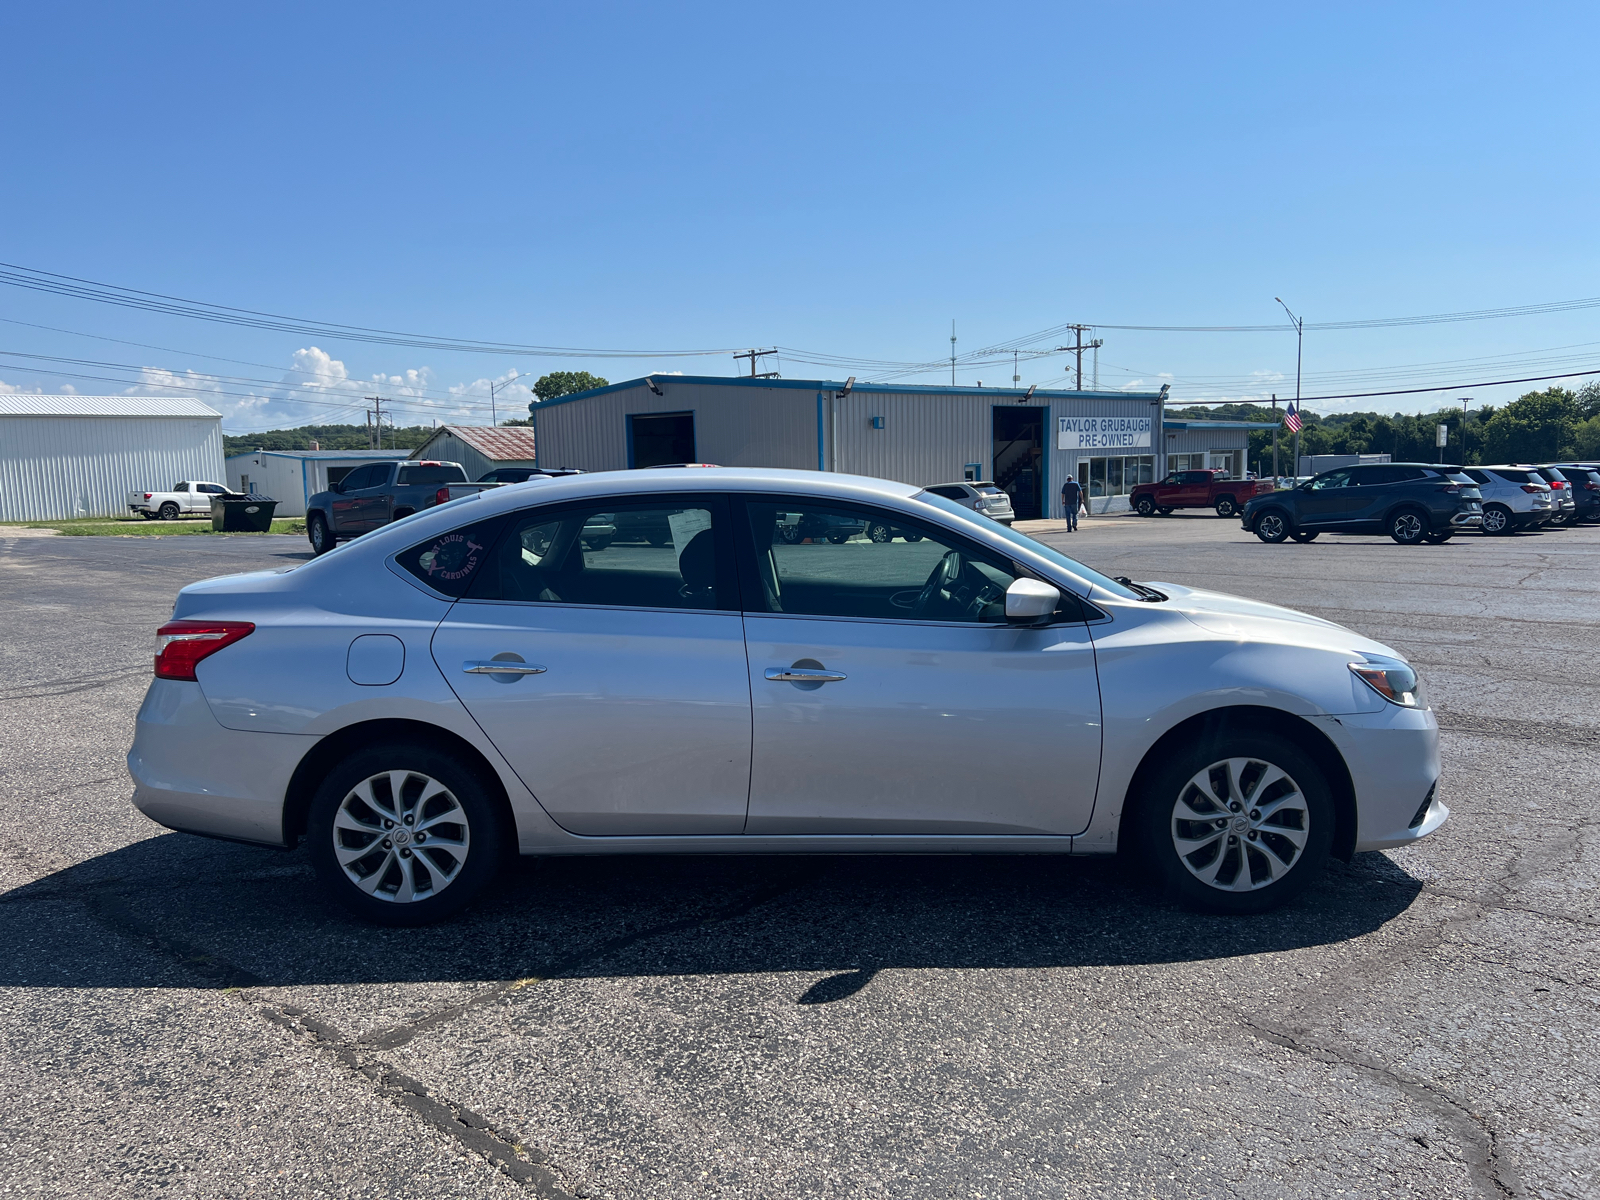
point(336, 487)
point(1028, 600)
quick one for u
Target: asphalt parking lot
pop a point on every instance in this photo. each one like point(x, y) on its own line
point(179, 1016)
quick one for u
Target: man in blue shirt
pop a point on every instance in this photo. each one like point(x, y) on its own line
point(1071, 498)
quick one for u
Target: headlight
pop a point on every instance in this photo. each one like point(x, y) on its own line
point(1390, 678)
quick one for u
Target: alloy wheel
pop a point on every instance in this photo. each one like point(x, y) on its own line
point(1240, 824)
point(1407, 527)
point(1271, 528)
point(401, 836)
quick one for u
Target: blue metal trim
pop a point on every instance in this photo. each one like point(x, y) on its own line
point(822, 464)
point(667, 381)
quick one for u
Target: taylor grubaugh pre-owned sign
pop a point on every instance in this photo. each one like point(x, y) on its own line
point(1102, 433)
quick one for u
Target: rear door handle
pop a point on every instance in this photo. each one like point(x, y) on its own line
point(803, 675)
point(502, 667)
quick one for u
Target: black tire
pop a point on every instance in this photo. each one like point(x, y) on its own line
point(148, 515)
point(1226, 507)
point(1273, 525)
point(595, 545)
point(1165, 512)
point(878, 531)
point(1146, 507)
point(658, 540)
point(1408, 526)
point(318, 534)
point(789, 534)
point(169, 511)
point(1498, 521)
point(1437, 539)
point(837, 537)
point(1304, 535)
point(461, 862)
point(1280, 869)
point(911, 537)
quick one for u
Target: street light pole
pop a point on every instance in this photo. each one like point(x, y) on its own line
point(494, 417)
point(1299, 345)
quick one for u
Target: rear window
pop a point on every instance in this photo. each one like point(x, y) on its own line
point(436, 474)
point(990, 490)
point(447, 562)
point(1461, 477)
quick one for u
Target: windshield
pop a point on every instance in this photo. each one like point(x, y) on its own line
point(1088, 574)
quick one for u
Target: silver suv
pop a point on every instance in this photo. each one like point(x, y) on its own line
point(983, 498)
point(1513, 498)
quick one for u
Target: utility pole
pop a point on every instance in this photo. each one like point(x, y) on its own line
point(1299, 346)
point(1079, 346)
point(952, 352)
point(753, 355)
point(375, 421)
point(1015, 377)
point(1275, 475)
point(494, 415)
point(1465, 400)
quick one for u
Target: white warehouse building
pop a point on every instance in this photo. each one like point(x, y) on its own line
point(292, 477)
point(80, 456)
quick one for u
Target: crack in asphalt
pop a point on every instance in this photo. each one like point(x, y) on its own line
point(399, 1035)
point(1477, 1132)
point(506, 1152)
point(1529, 732)
point(70, 685)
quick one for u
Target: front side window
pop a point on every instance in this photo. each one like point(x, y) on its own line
point(1333, 479)
point(842, 561)
point(632, 556)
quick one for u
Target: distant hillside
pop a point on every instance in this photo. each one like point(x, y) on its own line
point(327, 437)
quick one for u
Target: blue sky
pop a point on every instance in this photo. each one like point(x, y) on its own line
point(839, 179)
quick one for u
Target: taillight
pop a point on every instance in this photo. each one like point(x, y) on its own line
point(1533, 488)
point(147, 495)
point(442, 495)
point(180, 645)
point(1591, 486)
point(1557, 485)
point(1450, 489)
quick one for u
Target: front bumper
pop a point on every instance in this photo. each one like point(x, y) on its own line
point(1393, 759)
point(192, 774)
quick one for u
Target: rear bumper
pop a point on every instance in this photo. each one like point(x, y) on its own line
point(192, 774)
point(1466, 520)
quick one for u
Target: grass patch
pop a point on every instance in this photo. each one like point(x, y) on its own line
point(139, 527)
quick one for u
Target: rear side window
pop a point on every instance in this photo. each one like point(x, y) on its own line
point(449, 562)
point(1518, 477)
point(1407, 474)
point(1197, 477)
point(432, 475)
point(950, 493)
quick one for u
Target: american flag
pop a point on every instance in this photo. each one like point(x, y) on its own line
point(1291, 419)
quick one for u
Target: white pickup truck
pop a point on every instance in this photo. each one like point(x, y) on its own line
point(184, 498)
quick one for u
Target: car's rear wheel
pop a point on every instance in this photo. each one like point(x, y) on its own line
point(1497, 520)
point(1408, 526)
point(1239, 822)
point(1272, 526)
point(318, 534)
point(1165, 512)
point(403, 835)
point(1226, 507)
point(878, 531)
point(1304, 535)
point(169, 511)
point(1146, 507)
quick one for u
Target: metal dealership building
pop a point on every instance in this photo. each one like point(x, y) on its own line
point(1026, 441)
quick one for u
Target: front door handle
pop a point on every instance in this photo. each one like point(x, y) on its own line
point(502, 667)
point(804, 675)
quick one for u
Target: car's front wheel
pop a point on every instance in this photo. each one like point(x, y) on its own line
point(318, 534)
point(403, 835)
point(1146, 507)
point(1408, 527)
point(1272, 526)
point(1226, 507)
point(1239, 822)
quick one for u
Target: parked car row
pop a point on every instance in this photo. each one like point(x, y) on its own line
point(1426, 502)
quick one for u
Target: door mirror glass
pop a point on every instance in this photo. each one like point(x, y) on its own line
point(337, 487)
point(1029, 599)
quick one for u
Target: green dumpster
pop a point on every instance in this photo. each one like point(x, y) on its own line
point(242, 514)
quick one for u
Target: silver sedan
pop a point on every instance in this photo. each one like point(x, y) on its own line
point(482, 678)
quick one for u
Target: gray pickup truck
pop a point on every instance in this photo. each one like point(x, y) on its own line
point(377, 493)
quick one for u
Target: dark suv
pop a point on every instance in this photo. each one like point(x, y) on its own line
point(1411, 502)
point(1585, 489)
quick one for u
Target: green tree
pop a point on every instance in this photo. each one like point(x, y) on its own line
point(1536, 427)
point(564, 383)
point(1588, 400)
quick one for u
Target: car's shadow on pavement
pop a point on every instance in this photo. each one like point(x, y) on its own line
point(194, 912)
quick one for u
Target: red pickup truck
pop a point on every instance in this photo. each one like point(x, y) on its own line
point(1196, 489)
